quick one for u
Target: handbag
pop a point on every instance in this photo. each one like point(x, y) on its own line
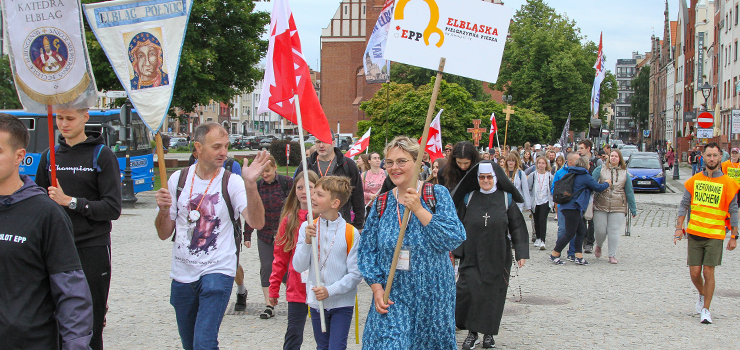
point(589, 213)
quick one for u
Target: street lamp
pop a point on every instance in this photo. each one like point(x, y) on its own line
point(676, 161)
point(706, 90)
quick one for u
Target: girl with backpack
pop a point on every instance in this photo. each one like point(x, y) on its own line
point(273, 189)
point(539, 183)
point(293, 215)
point(516, 175)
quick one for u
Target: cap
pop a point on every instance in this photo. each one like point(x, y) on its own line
point(557, 145)
point(735, 150)
point(537, 146)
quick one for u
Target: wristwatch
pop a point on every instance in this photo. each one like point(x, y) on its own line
point(73, 203)
point(733, 236)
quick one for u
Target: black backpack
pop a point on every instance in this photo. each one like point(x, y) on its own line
point(563, 189)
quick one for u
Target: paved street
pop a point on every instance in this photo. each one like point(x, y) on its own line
point(646, 301)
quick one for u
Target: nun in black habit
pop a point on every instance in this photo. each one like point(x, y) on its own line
point(485, 200)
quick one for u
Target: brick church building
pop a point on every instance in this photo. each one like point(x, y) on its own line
point(343, 43)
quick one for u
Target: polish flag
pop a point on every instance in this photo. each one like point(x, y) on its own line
point(434, 143)
point(287, 76)
point(494, 128)
point(360, 145)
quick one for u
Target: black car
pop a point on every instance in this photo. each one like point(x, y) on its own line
point(266, 141)
point(250, 142)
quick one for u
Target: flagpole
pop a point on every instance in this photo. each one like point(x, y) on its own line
point(314, 249)
point(160, 159)
point(52, 143)
point(417, 167)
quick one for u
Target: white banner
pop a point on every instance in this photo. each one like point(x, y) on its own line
point(736, 121)
point(48, 54)
point(469, 34)
point(704, 133)
point(377, 69)
point(143, 40)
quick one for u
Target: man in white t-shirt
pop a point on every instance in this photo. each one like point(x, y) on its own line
point(204, 256)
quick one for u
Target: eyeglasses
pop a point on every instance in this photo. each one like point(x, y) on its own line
point(485, 177)
point(400, 162)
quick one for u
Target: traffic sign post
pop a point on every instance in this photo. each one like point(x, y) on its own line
point(705, 120)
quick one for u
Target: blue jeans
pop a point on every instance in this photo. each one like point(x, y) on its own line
point(694, 169)
point(561, 232)
point(338, 321)
point(297, 313)
point(199, 309)
point(575, 227)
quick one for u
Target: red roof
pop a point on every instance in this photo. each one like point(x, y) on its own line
point(674, 26)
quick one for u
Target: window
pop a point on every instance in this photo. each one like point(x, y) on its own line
point(363, 9)
point(735, 51)
point(736, 14)
point(345, 9)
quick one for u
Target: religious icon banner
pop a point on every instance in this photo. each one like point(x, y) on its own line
point(469, 34)
point(48, 54)
point(143, 41)
point(377, 69)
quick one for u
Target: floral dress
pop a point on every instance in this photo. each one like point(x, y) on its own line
point(423, 314)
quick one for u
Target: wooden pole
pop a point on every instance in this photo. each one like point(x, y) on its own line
point(314, 248)
point(52, 143)
point(160, 160)
point(417, 167)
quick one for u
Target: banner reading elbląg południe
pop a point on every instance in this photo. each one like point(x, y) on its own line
point(143, 41)
point(48, 54)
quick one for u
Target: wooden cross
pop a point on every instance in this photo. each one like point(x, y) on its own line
point(508, 112)
point(476, 131)
point(486, 222)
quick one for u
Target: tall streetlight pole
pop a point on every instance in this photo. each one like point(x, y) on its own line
point(676, 159)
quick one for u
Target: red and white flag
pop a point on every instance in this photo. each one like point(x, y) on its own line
point(494, 128)
point(434, 142)
point(287, 75)
point(360, 145)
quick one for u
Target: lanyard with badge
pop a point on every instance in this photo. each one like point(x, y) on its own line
point(194, 215)
point(404, 257)
point(304, 274)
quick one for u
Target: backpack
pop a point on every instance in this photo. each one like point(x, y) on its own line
point(283, 184)
point(237, 223)
point(427, 194)
point(563, 189)
point(229, 165)
point(592, 164)
point(96, 155)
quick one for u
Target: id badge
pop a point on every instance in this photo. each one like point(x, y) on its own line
point(304, 276)
point(404, 260)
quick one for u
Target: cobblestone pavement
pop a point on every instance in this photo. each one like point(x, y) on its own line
point(646, 301)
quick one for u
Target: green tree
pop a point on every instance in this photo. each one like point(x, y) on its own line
point(608, 93)
point(417, 76)
point(641, 98)
point(222, 45)
point(408, 107)
point(548, 66)
point(8, 96)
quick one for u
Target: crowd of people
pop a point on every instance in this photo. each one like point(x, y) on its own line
point(470, 213)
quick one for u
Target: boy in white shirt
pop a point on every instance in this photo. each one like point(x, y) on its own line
point(337, 247)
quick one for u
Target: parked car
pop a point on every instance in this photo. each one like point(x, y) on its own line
point(266, 141)
point(311, 139)
point(646, 171)
point(176, 142)
point(251, 142)
point(627, 150)
point(295, 139)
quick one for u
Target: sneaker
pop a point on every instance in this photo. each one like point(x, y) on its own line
point(488, 342)
point(613, 260)
point(471, 341)
point(700, 304)
point(706, 317)
point(241, 302)
point(269, 312)
point(542, 245)
point(537, 242)
point(581, 261)
point(588, 248)
point(556, 260)
point(572, 258)
point(597, 251)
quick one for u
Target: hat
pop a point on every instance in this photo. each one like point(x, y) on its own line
point(448, 146)
point(491, 151)
point(557, 145)
point(537, 146)
point(735, 150)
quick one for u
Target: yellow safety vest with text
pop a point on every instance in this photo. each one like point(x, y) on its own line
point(710, 201)
point(732, 170)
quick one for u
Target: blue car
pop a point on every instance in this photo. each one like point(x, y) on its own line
point(646, 171)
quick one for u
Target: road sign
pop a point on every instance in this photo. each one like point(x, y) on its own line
point(705, 120)
point(704, 133)
point(116, 94)
point(646, 133)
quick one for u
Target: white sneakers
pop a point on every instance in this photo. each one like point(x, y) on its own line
point(706, 317)
point(539, 243)
point(700, 304)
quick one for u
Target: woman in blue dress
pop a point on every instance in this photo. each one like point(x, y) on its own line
point(420, 313)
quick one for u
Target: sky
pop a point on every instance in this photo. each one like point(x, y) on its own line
point(627, 25)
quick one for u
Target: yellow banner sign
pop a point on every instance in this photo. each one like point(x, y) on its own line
point(734, 173)
point(707, 193)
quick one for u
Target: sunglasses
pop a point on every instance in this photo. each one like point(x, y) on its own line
point(485, 177)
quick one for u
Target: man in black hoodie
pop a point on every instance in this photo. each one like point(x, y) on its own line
point(44, 296)
point(329, 160)
point(89, 190)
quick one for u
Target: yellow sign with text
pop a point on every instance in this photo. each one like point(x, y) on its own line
point(734, 173)
point(707, 193)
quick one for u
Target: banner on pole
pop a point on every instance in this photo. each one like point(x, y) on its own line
point(48, 54)
point(470, 34)
point(564, 136)
point(377, 69)
point(143, 41)
point(600, 67)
